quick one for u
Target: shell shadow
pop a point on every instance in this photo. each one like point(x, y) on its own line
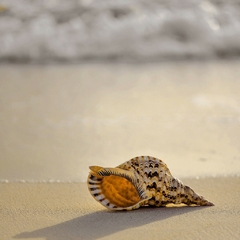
point(103, 223)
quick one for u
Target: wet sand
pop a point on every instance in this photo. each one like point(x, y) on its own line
point(61, 211)
point(57, 120)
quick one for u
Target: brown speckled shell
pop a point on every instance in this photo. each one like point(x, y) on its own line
point(141, 181)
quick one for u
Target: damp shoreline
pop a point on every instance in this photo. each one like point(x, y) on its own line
point(59, 120)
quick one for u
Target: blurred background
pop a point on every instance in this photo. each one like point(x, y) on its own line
point(140, 30)
point(89, 82)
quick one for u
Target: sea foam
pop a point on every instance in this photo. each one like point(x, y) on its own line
point(135, 29)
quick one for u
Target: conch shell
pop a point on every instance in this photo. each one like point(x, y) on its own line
point(141, 181)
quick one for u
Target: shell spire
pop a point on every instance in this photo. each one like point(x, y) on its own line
point(141, 181)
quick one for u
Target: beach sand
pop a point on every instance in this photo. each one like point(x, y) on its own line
point(60, 211)
point(57, 120)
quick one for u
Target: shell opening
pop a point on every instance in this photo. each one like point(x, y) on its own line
point(119, 191)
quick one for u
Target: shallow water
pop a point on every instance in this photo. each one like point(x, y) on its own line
point(57, 120)
point(141, 30)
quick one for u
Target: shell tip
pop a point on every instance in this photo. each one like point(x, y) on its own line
point(207, 203)
point(210, 204)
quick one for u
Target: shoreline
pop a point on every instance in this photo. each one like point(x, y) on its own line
point(116, 62)
point(57, 181)
point(67, 211)
point(185, 114)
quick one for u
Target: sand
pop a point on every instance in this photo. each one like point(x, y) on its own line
point(61, 211)
point(57, 120)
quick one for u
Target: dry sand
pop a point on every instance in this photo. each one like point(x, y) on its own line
point(66, 211)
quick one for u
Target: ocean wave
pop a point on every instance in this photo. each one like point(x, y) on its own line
point(80, 30)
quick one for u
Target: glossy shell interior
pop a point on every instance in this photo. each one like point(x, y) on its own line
point(119, 191)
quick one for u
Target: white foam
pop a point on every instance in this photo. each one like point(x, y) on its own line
point(78, 181)
point(119, 29)
point(38, 181)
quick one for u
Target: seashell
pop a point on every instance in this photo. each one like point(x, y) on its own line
point(141, 181)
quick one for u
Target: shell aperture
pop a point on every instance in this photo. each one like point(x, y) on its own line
point(141, 181)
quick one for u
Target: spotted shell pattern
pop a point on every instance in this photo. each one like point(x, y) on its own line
point(141, 181)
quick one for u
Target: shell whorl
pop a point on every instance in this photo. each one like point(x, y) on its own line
point(141, 181)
